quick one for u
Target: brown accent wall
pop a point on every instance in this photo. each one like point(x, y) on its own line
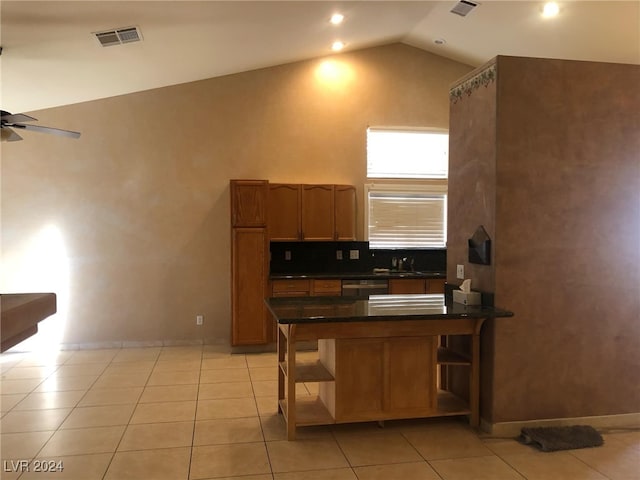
point(471, 203)
point(130, 224)
point(566, 236)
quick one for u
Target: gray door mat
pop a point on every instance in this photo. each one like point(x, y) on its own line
point(551, 439)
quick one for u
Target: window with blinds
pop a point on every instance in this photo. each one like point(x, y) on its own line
point(406, 219)
point(411, 214)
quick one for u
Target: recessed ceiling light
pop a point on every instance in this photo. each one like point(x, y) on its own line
point(337, 18)
point(550, 9)
point(337, 46)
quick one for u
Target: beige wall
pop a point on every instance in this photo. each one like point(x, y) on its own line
point(130, 224)
point(560, 193)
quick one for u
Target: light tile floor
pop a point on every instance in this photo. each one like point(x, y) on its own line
point(189, 413)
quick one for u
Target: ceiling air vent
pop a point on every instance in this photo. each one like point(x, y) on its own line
point(463, 7)
point(118, 36)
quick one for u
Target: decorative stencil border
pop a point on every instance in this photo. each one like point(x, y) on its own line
point(467, 87)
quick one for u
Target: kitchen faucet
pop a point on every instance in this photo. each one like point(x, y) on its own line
point(402, 263)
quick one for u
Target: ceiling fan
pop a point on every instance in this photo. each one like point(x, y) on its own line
point(9, 121)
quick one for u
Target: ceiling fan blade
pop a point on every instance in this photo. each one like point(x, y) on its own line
point(9, 135)
point(54, 131)
point(18, 117)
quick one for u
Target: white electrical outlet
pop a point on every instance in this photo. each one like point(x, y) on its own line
point(460, 272)
point(354, 254)
point(338, 254)
point(287, 254)
point(199, 319)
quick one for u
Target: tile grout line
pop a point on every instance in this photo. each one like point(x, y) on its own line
point(344, 454)
point(420, 455)
point(255, 401)
point(588, 466)
point(195, 416)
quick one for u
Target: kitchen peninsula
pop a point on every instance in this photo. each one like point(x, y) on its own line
point(378, 357)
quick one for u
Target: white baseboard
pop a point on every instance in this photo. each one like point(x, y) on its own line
point(512, 429)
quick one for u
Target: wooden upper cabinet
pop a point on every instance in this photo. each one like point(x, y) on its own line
point(345, 212)
point(284, 212)
point(311, 212)
point(317, 213)
point(249, 203)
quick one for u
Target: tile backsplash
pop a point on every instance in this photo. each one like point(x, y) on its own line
point(348, 257)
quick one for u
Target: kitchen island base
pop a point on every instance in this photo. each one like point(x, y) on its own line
point(374, 372)
point(379, 357)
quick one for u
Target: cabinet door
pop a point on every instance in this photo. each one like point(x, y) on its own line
point(345, 212)
point(284, 212)
point(406, 285)
point(412, 374)
point(248, 286)
point(317, 212)
point(360, 379)
point(249, 203)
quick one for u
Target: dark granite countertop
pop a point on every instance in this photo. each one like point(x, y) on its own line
point(359, 276)
point(288, 310)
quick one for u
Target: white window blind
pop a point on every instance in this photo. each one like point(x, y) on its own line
point(405, 218)
point(403, 153)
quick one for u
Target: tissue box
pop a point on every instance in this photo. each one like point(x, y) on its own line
point(466, 298)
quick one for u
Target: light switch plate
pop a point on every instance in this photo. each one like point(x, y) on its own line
point(338, 254)
point(354, 254)
point(460, 272)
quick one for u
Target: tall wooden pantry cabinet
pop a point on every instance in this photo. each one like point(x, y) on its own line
point(249, 261)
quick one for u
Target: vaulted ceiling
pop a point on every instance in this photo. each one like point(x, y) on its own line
point(50, 56)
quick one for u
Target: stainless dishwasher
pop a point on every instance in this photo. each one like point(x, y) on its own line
point(365, 287)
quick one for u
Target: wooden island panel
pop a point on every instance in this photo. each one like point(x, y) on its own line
point(380, 378)
point(360, 379)
point(412, 376)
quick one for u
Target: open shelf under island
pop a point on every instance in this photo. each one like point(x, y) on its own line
point(378, 357)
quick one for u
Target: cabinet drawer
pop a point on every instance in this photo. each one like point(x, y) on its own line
point(435, 285)
point(406, 285)
point(289, 286)
point(326, 287)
